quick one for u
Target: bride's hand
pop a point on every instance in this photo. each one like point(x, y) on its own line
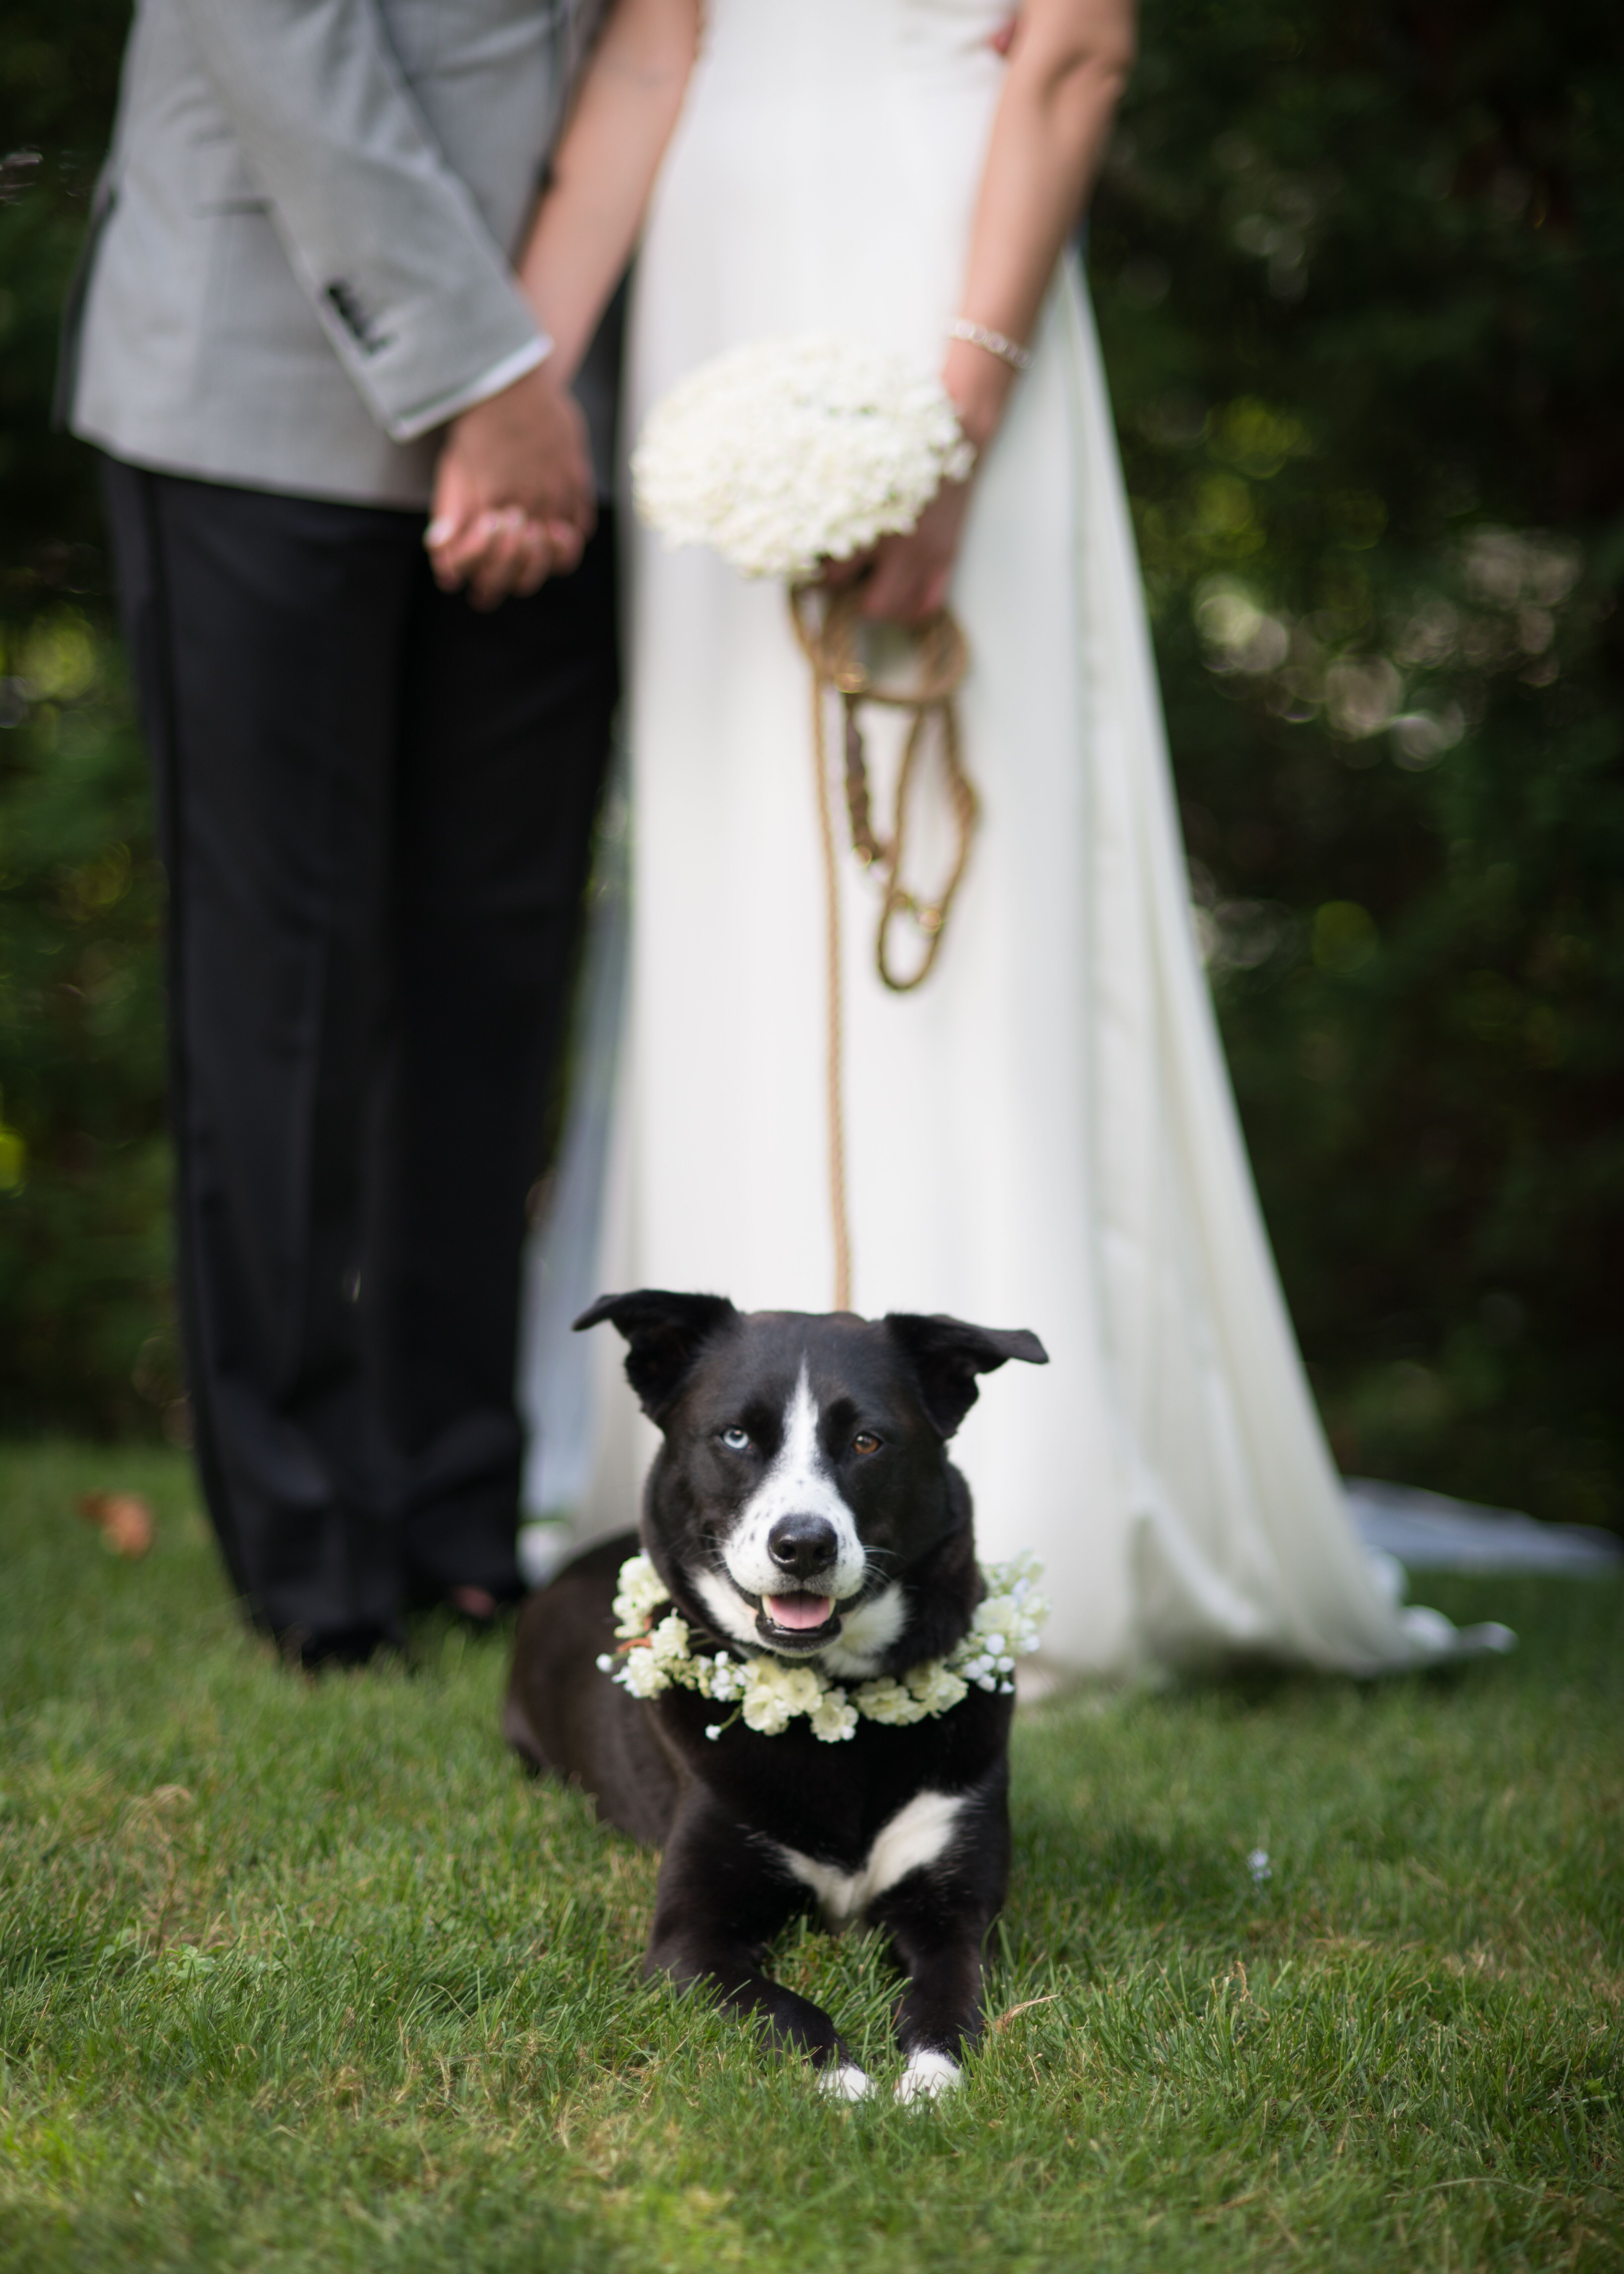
point(906, 578)
point(499, 553)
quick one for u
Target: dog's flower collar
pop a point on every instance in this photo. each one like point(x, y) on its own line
point(656, 1655)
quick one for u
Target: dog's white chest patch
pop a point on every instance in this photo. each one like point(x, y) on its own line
point(916, 1836)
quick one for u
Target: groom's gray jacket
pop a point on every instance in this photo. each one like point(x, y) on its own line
point(301, 255)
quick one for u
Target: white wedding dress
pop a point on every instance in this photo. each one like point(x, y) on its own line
point(1043, 1136)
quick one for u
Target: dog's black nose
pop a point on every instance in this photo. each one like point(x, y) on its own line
point(801, 1545)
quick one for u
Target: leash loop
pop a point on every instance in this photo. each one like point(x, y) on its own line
point(830, 644)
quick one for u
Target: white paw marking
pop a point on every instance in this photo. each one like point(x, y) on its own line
point(847, 2083)
point(797, 1483)
point(916, 1838)
point(927, 2077)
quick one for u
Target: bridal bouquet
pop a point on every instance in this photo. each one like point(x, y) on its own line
point(791, 451)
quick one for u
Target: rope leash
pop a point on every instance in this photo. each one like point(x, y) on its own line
point(834, 1050)
point(829, 641)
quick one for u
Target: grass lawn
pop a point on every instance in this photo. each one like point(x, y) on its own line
point(309, 1975)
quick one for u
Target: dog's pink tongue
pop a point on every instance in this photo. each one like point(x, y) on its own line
point(798, 1610)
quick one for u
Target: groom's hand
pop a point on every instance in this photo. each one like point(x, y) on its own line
point(515, 501)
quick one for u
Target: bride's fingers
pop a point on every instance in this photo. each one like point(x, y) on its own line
point(455, 558)
point(537, 560)
point(502, 574)
point(907, 585)
point(500, 551)
point(839, 573)
point(565, 546)
point(911, 573)
point(455, 509)
point(506, 558)
point(508, 552)
point(912, 602)
point(453, 548)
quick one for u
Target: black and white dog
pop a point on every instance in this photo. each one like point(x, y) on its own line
point(802, 1504)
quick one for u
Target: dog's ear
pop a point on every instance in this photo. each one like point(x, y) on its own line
point(665, 1334)
point(946, 1356)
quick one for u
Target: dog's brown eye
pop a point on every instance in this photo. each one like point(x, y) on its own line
point(864, 1441)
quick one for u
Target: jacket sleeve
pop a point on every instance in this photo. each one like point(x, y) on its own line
point(413, 291)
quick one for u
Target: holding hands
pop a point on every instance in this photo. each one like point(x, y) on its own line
point(515, 499)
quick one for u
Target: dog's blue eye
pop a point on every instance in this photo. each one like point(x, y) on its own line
point(737, 1441)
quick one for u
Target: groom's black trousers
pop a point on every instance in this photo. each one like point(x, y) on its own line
point(374, 806)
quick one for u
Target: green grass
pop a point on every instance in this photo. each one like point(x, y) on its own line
point(309, 1976)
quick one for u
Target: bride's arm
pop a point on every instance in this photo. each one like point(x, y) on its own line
point(1069, 60)
point(604, 170)
point(574, 255)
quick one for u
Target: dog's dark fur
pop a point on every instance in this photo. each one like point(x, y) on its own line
point(813, 1448)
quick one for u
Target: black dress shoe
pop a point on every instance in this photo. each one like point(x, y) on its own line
point(340, 1646)
point(475, 1604)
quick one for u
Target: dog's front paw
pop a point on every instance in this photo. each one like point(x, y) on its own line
point(845, 2081)
point(927, 2077)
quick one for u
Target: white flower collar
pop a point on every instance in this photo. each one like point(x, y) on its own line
point(769, 1692)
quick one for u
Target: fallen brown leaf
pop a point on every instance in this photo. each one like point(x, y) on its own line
point(124, 1520)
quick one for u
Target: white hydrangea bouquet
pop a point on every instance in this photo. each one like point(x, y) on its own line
point(790, 451)
point(656, 1654)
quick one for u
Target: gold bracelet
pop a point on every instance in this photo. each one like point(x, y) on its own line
point(963, 328)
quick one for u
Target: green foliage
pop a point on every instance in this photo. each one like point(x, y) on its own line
point(58, 78)
point(1357, 274)
point(83, 1245)
point(304, 1974)
point(84, 1250)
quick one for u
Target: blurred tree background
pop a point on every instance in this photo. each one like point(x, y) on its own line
point(86, 1338)
point(1358, 271)
point(1358, 276)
